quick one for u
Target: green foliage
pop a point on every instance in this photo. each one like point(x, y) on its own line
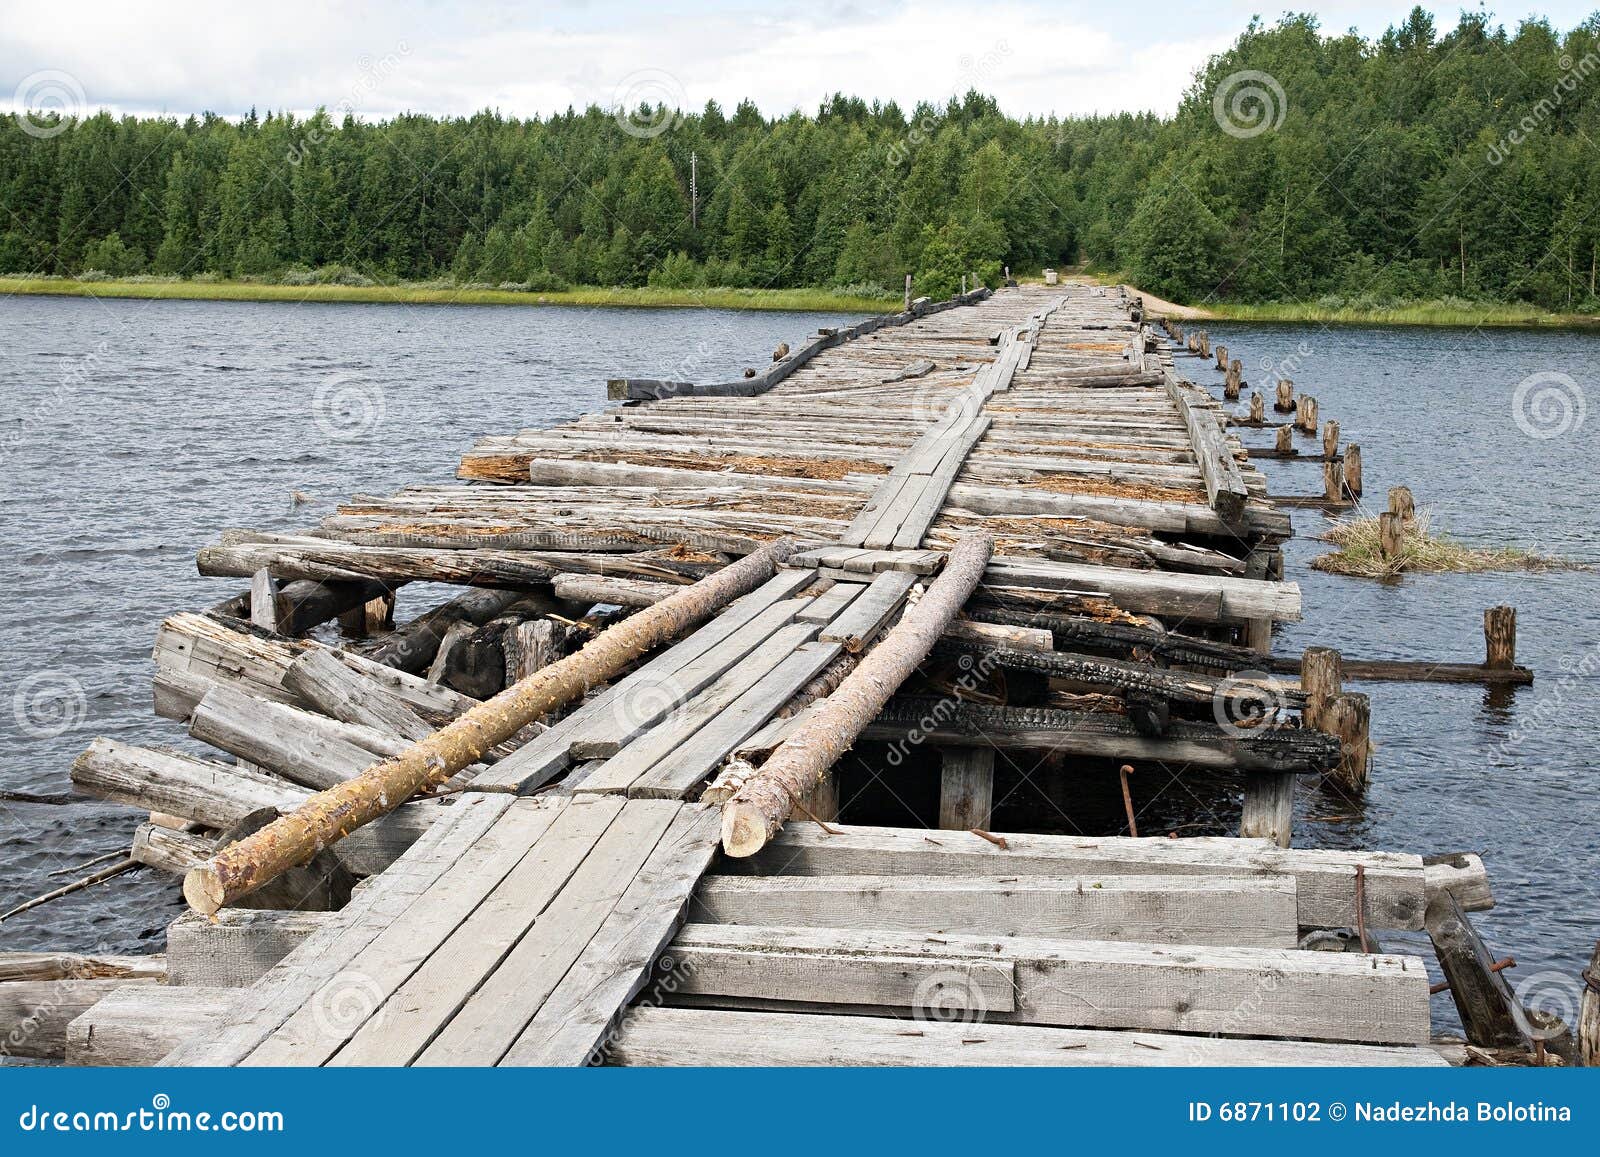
point(1415, 167)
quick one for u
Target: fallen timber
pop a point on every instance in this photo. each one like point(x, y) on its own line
point(524, 876)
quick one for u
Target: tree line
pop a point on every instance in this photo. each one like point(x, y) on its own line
point(1299, 166)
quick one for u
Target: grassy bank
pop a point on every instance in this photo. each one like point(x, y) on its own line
point(435, 294)
point(1421, 552)
point(1450, 312)
point(1415, 313)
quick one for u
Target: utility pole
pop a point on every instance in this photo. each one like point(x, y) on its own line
point(694, 190)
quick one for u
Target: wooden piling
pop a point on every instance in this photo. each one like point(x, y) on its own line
point(1222, 357)
point(908, 293)
point(1322, 680)
point(1234, 382)
point(1332, 479)
point(1258, 409)
point(1401, 504)
point(1285, 400)
point(1285, 441)
point(1348, 717)
point(1330, 438)
point(1500, 638)
point(1589, 1013)
point(1305, 418)
point(966, 788)
point(1352, 470)
point(1390, 535)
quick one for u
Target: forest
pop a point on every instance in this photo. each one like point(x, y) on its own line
point(1300, 166)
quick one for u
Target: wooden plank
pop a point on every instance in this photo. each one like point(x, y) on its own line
point(421, 974)
point(831, 602)
point(711, 1037)
point(681, 772)
point(507, 999)
point(1253, 911)
point(357, 994)
point(1380, 999)
point(1325, 880)
point(622, 770)
point(138, 1025)
point(286, 989)
point(34, 1014)
point(572, 1026)
point(866, 617)
point(966, 787)
point(646, 703)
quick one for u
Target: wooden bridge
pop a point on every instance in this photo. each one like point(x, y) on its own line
point(563, 898)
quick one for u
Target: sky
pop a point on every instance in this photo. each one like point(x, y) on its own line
point(377, 59)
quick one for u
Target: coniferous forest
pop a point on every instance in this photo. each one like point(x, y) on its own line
point(1429, 164)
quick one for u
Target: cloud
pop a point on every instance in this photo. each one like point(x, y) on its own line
point(458, 59)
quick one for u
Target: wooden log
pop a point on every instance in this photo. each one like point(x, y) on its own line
point(322, 682)
point(296, 838)
point(305, 748)
point(237, 948)
point(1401, 503)
point(1589, 1013)
point(161, 847)
point(621, 592)
point(34, 1014)
point(455, 636)
point(1347, 716)
point(1284, 402)
point(1330, 438)
point(139, 1026)
point(263, 600)
point(761, 806)
point(653, 1036)
point(1482, 995)
point(1463, 875)
point(1352, 470)
point(1268, 807)
point(413, 646)
point(1224, 483)
point(37, 966)
point(212, 794)
point(966, 788)
point(1500, 638)
point(1038, 729)
point(303, 603)
point(1321, 679)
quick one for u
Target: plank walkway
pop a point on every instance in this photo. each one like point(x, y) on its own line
point(515, 923)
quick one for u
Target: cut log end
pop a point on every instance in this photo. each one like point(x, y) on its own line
point(744, 829)
point(204, 890)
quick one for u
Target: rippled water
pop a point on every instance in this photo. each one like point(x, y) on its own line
point(133, 431)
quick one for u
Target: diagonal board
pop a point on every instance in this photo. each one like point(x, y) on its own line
point(635, 698)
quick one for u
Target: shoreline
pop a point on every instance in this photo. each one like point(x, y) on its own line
point(784, 300)
point(1420, 314)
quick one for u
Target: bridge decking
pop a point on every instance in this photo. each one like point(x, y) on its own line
point(513, 922)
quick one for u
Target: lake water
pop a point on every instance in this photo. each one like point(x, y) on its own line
point(132, 432)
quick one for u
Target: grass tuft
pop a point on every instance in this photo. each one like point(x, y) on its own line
point(1421, 552)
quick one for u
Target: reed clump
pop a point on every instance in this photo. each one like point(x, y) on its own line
point(1361, 555)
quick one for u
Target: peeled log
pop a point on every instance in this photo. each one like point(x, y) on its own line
point(330, 815)
point(758, 809)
